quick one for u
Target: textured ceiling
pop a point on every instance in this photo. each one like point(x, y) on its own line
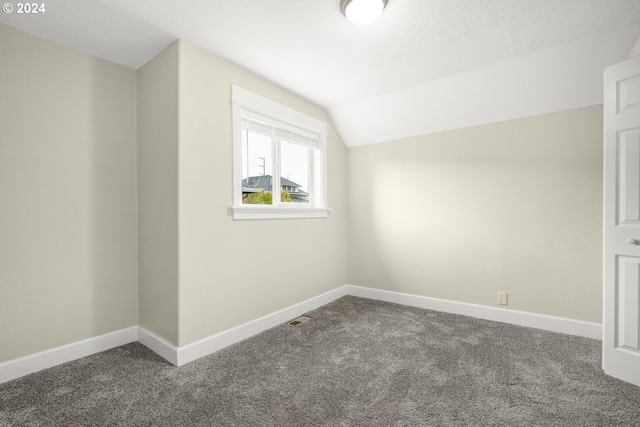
point(310, 48)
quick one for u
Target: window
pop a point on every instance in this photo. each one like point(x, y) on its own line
point(279, 160)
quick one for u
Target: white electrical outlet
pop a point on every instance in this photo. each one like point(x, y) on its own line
point(502, 298)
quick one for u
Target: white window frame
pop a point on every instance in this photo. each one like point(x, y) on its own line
point(246, 103)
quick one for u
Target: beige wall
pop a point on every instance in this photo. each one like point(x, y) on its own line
point(235, 271)
point(67, 195)
point(157, 119)
point(460, 215)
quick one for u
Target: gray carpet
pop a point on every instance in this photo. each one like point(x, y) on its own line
point(357, 362)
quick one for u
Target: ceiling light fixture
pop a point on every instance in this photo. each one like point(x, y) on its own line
point(362, 12)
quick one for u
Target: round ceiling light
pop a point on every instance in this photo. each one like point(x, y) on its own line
point(362, 12)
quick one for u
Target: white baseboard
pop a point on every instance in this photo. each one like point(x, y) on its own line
point(16, 368)
point(206, 346)
point(522, 318)
point(158, 345)
point(179, 356)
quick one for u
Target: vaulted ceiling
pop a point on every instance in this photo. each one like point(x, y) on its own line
point(308, 47)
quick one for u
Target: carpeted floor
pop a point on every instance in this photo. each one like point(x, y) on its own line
point(357, 362)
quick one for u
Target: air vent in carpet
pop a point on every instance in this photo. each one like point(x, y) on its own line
point(299, 320)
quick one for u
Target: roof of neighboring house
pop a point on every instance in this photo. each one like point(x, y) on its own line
point(263, 182)
point(257, 184)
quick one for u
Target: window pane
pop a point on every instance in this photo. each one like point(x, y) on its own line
point(294, 172)
point(257, 167)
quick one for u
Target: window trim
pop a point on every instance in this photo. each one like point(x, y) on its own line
point(243, 100)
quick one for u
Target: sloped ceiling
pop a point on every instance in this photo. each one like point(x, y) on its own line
point(308, 47)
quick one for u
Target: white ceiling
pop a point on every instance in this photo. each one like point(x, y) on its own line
point(308, 47)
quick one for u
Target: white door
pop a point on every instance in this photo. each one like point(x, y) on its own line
point(621, 318)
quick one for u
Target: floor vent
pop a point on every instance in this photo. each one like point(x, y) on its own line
point(299, 320)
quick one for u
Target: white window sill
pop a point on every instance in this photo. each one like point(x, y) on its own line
point(273, 212)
